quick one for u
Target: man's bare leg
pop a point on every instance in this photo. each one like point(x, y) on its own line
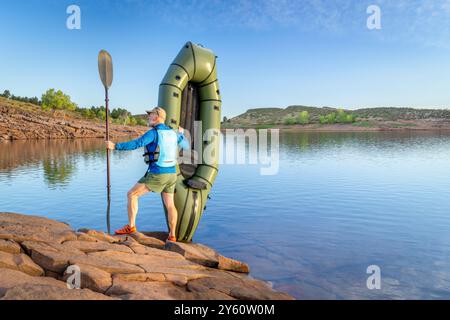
point(138, 190)
point(172, 213)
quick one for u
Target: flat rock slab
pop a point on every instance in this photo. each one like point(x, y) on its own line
point(233, 265)
point(180, 279)
point(106, 264)
point(195, 252)
point(153, 290)
point(237, 288)
point(99, 235)
point(20, 262)
point(51, 256)
point(12, 278)
point(92, 278)
point(132, 290)
point(81, 236)
point(206, 256)
point(144, 250)
point(141, 277)
point(20, 228)
point(148, 241)
point(162, 258)
point(9, 246)
point(46, 292)
point(89, 246)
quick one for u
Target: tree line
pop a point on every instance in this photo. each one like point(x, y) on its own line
point(7, 94)
point(57, 100)
point(303, 118)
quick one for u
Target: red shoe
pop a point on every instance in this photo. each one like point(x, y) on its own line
point(171, 238)
point(126, 230)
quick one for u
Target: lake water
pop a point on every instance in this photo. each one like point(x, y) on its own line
point(340, 203)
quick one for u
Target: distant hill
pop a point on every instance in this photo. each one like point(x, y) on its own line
point(277, 116)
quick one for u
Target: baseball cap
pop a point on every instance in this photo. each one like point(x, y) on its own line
point(159, 111)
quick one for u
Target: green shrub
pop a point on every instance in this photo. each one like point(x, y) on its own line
point(101, 114)
point(331, 118)
point(6, 94)
point(130, 121)
point(57, 100)
point(341, 116)
point(86, 113)
point(289, 120)
point(140, 121)
point(303, 117)
point(120, 113)
point(350, 118)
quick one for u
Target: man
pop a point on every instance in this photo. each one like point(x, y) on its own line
point(161, 146)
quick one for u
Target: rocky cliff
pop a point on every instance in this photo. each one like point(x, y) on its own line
point(39, 257)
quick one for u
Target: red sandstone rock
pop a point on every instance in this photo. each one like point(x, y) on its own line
point(122, 267)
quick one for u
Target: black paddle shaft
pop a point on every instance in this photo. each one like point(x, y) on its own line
point(108, 181)
point(108, 184)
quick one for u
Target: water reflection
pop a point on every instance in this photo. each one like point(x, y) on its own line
point(340, 202)
point(294, 141)
point(57, 172)
point(57, 158)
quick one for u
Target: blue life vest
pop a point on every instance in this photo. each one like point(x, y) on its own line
point(165, 154)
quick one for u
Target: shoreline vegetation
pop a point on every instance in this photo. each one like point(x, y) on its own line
point(55, 116)
point(326, 119)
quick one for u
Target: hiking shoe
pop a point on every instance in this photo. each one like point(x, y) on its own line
point(126, 230)
point(171, 238)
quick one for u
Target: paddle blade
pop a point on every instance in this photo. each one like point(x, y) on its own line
point(105, 68)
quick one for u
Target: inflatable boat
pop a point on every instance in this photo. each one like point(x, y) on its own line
point(189, 93)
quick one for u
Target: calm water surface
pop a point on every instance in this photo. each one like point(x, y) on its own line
point(340, 203)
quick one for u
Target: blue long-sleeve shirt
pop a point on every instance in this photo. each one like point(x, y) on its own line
point(150, 139)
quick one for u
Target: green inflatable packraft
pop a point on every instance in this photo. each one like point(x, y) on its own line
point(189, 93)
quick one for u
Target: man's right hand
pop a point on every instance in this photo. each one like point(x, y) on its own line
point(180, 130)
point(110, 145)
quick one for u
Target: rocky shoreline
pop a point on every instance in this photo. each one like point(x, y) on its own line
point(25, 121)
point(40, 258)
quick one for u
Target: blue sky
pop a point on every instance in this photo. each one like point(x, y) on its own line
point(272, 53)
